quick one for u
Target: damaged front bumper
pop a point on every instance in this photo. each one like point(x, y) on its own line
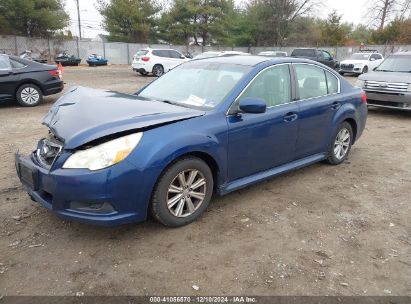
point(92, 197)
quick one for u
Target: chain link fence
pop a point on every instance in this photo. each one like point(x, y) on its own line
point(122, 53)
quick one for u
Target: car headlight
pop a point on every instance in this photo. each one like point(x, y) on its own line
point(409, 87)
point(104, 155)
point(360, 83)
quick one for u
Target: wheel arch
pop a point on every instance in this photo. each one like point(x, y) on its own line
point(204, 156)
point(28, 81)
point(354, 127)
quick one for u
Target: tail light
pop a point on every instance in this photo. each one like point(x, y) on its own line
point(363, 97)
point(145, 59)
point(55, 73)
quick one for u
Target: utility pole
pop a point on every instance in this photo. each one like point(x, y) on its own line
point(78, 17)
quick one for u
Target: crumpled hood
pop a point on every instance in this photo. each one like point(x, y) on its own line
point(84, 114)
point(387, 77)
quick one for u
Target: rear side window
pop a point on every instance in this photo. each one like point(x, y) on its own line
point(272, 85)
point(141, 53)
point(5, 63)
point(161, 53)
point(311, 81)
point(303, 53)
point(332, 83)
point(16, 65)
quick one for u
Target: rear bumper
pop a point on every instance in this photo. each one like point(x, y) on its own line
point(392, 100)
point(121, 186)
point(53, 87)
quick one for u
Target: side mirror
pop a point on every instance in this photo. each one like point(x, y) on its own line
point(182, 57)
point(252, 105)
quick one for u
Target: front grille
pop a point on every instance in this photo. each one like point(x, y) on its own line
point(48, 149)
point(386, 86)
point(347, 66)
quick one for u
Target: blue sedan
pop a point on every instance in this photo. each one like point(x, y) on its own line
point(209, 126)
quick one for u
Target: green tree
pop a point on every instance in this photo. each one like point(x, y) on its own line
point(129, 20)
point(204, 21)
point(271, 19)
point(333, 32)
point(40, 18)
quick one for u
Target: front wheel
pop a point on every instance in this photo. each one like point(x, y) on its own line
point(341, 144)
point(365, 70)
point(29, 95)
point(183, 192)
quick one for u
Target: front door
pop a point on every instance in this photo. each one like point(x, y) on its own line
point(257, 142)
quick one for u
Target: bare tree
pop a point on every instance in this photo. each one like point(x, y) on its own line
point(381, 12)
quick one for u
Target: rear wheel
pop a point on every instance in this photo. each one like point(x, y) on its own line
point(29, 95)
point(183, 192)
point(341, 144)
point(158, 70)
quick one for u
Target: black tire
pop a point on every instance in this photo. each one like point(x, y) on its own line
point(365, 70)
point(159, 203)
point(158, 70)
point(342, 73)
point(143, 73)
point(333, 158)
point(29, 95)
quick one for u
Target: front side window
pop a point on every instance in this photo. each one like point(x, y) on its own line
point(5, 63)
point(311, 81)
point(196, 84)
point(175, 54)
point(272, 85)
point(326, 55)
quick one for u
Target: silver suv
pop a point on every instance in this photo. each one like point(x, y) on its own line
point(389, 85)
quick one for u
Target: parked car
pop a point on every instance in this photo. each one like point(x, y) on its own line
point(67, 59)
point(360, 63)
point(156, 61)
point(210, 54)
point(321, 56)
point(29, 55)
point(273, 54)
point(389, 85)
point(96, 60)
point(208, 126)
point(27, 81)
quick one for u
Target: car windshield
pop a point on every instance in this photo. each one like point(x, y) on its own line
point(360, 56)
point(396, 64)
point(196, 84)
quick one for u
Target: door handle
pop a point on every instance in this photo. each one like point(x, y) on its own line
point(335, 105)
point(289, 117)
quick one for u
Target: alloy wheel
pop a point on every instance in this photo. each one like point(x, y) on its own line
point(342, 143)
point(30, 95)
point(186, 193)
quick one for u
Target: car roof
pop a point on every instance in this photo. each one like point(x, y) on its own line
point(251, 60)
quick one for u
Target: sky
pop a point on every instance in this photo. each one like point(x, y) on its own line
point(353, 11)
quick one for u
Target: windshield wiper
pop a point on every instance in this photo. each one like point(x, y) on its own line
point(384, 71)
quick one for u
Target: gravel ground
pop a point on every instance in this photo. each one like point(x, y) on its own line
point(322, 230)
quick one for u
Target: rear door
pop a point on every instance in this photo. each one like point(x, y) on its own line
point(319, 99)
point(257, 142)
point(8, 79)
